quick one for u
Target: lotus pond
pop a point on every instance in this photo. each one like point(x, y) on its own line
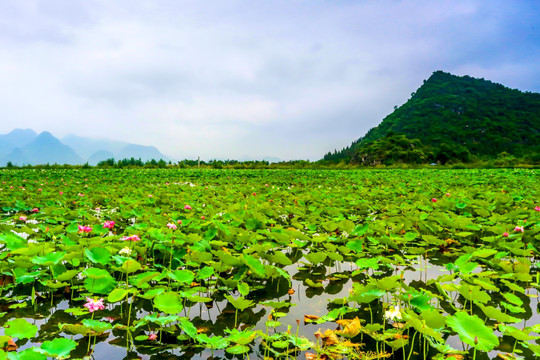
point(284, 264)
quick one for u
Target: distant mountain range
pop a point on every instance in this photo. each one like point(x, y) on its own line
point(26, 147)
point(452, 118)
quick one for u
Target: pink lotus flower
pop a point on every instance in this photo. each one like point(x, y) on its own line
point(505, 234)
point(447, 194)
point(254, 194)
point(39, 189)
point(171, 226)
point(132, 238)
point(35, 210)
point(84, 229)
point(93, 305)
point(80, 194)
point(434, 200)
point(61, 193)
point(187, 207)
point(150, 195)
point(519, 228)
point(202, 217)
point(108, 224)
point(537, 208)
point(179, 222)
point(266, 185)
point(22, 218)
point(152, 337)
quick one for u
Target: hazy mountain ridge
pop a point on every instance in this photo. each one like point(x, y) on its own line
point(25, 147)
point(457, 115)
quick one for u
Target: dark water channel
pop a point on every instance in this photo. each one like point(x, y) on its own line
point(220, 315)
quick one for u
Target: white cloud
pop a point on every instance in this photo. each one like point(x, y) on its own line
point(233, 78)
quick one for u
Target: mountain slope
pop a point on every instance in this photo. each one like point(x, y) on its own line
point(86, 147)
point(45, 148)
point(15, 139)
point(142, 152)
point(461, 112)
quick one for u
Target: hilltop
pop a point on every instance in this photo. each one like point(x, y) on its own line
point(453, 118)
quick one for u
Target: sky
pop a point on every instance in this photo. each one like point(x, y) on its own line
point(246, 79)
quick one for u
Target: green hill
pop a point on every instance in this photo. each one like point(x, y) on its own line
point(453, 118)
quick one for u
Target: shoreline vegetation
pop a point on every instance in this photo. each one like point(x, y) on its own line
point(500, 162)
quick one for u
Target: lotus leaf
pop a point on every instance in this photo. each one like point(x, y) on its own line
point(472, 331)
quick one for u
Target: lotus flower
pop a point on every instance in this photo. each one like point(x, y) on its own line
point(152, 337)
point(108, 224)
point(171, 226)
point(433, 200)
point(22, 218)
point(84, 229)
point(519, 229)
point(35, 210)
point(132, 238)
point(537, 208)
point(187, 207)
point(93, 305)
point(505, 234)
point(61, 193)
point(179, 222)
point(393, 314)
point(125, 251)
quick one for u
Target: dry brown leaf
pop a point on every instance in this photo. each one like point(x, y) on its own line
point(351, 328)
point(310, 318)
point(11, 346)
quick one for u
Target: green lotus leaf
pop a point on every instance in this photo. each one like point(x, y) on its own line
point(98, 281)
point(214, 342)
point(20, 328)
point(498, 315)
point(52, 258)
point(255, 265)
point(58, 348)
point(243, 288)
point(472, 331)
point(27, 354)
point(188, 327)
point(240, 303)
point(237, 349)
point(98, 255)
point(169, 302)
point(96, 325)
point(75, 329)
point(316, 257)
point(117, 295)
point(205, 273)
point(183, 276)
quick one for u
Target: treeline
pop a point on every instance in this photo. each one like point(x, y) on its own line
point(395, 149)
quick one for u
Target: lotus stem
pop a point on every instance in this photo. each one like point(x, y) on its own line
point(412, 346)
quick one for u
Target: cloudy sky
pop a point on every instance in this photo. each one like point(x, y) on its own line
point(231, 79)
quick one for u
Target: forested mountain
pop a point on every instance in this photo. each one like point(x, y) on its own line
point(453, 118)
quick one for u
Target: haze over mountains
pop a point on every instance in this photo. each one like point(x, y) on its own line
point(26, 147)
